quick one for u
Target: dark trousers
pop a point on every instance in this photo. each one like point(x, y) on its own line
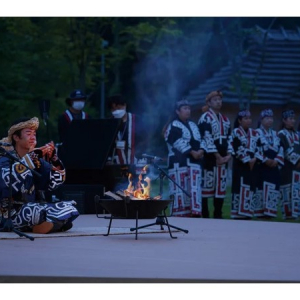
point(218, 205)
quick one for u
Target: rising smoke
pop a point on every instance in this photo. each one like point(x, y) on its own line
point(166, 74)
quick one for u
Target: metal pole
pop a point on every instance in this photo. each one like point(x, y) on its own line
point(102, 106)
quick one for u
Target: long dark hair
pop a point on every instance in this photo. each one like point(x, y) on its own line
point(174, 115)
point(236, 123)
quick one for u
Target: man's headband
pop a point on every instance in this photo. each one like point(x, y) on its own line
point(213, 94)
point(288, 113)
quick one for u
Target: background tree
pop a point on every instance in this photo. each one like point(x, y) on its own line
point(152, 61)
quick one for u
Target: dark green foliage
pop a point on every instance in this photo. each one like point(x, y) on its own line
point(152, 61)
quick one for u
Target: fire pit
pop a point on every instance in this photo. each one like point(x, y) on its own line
point(135, 203)
point(136, 209)
point(130, 209)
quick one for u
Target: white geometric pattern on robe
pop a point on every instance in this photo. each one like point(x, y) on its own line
point(248, 143)
point(285, 199)
point(18, 178)
point(271, 196)
point(180, 176)
point(56, 179)
point(221, 180)
point(195, 186)
point(211, 118)
point(245, 203)
point(235, 203)
point(258, 203)
point(189, 178)
point(265, 201)
point(182, 144)
point(292, 139)
point(34, 213)
point(214, 182)
point(270, 140)
point(296, 194)
point(208, 181)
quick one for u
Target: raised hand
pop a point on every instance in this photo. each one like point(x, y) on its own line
point(46, 152)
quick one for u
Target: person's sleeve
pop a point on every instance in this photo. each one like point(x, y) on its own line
point(205, 129)
point(239, 150)
point(19, 174)
point(174, 138)
point(289, 152)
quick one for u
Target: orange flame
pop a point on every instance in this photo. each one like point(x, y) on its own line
point(142, 190)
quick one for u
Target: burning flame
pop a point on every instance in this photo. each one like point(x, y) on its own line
point(142, 190)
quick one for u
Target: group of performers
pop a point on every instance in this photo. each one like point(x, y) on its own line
point(265, 163)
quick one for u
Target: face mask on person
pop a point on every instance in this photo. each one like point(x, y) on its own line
point(119, 113)
point(78, 105)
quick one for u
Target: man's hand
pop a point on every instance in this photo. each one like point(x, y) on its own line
point(220, 160)
point(197, 154)
point(227, 158)
point(46, 152)
point(252, 162)
point(271, 163)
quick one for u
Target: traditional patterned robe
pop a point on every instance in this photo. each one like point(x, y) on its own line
point(290, 175)
point(267, 193)
point(216, 131)
point(245, 147)
point(26, 211)
point(181, 138)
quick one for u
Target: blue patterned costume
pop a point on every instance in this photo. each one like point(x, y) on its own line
point(268, 180)
point(290, 174)
point(245, 147)
point(26, 211)
point(181, 138)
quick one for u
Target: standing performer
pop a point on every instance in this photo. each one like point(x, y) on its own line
point(215, 130)
point(268, 183)
point(290, 173)
point(185, 149)
point(245, 158)
point(27, 213)
point(128, 136)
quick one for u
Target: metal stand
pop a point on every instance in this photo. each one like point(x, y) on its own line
point(133, 209)
point(8, 225)
point(136, 228)
point(162, 220)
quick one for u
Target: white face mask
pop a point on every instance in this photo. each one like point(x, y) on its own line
point(78, 105)
point(119, 113)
